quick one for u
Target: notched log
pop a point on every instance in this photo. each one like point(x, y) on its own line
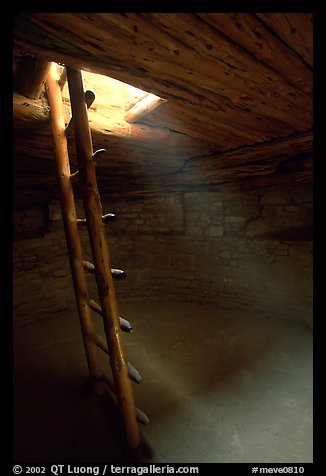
point(31, 75)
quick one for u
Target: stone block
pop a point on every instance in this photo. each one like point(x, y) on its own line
point(198, 255)
point(234, 263)
point(184, 275)
point(232, 228)
point(207, 264)
point(161, 261)
point(192, 217)
point(60, 273)
point(214, 231)
point(204, 218)
point(234, 219)
point(161, 273)
point(216, 208)
point(194, 231)
point(183, 262)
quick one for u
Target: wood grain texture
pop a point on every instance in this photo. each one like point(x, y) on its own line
point(101, 257)
point(31, 76)
point(235, 84)
point(253, 35)
point(74, 247)
point(295, 29)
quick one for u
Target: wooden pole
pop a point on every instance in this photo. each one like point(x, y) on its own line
point(141, 416)
point(124, 324)
point(89, 97)
point(102, 344)
point(70, 225)
point(93, 213)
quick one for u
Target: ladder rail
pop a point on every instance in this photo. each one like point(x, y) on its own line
point(100, 252)
point(68, 210)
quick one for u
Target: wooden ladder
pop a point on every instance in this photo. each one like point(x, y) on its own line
point(122, 371)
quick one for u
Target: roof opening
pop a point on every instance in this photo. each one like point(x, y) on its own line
point(115, 100)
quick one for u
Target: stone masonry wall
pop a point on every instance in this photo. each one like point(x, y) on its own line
point(246, 250)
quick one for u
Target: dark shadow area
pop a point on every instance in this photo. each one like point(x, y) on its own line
point(296, 233)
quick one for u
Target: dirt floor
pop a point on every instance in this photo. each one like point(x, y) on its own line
point(217, 386)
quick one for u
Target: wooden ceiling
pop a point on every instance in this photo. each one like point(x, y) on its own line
point(238, 88)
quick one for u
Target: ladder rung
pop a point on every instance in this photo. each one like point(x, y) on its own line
point(89, 99)
point(105, 218)
point(74, 177)
point(89, 267)
point(117, 274)
point(99, 247)
point(99, 153)
point(71, 233)
point(132, 372)
point(124, 324)
point(140, 415)
point(108, 217)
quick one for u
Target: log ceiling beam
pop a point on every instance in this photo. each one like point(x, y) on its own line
point(292, 28)
point(31, 75)
point(238, 88)
point(158, 62)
